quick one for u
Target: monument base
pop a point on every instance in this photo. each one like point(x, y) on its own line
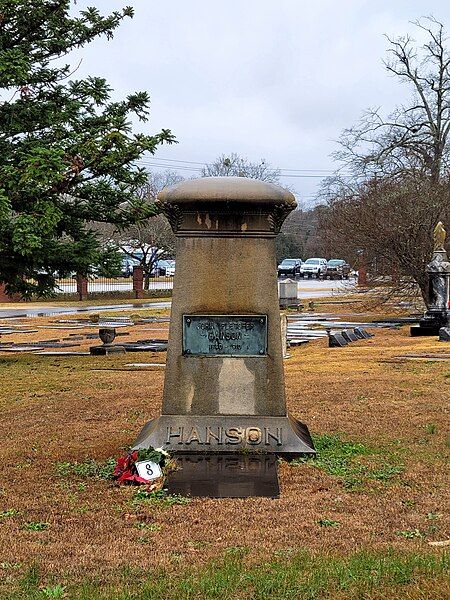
point(214, 434)
point(106, 349)
point(225, 476)
point(420, 330)
point(430, 324)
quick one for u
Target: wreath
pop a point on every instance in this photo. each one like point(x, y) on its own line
point(126, 471)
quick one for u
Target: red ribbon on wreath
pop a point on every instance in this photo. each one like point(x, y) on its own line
point(125, 469)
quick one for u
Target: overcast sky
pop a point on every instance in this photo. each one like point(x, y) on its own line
point(272, 79)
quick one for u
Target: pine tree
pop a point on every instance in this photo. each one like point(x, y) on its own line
point(67, 151)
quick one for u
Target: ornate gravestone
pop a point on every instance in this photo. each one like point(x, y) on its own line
point(224, 381)
point(438, 313)
point(107, 336)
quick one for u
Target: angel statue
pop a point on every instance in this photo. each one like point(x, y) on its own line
point(439, 237)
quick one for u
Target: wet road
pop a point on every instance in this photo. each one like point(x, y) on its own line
point(307, 288)
point(54, 309)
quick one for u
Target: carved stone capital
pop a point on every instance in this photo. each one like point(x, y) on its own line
point(173, 213)
point(278, 216)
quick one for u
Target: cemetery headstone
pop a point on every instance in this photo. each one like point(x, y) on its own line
point(349, 335)
point(362, 333)
point(444, 334)
point(224, 380)
point(336, 340)
point(288, 292)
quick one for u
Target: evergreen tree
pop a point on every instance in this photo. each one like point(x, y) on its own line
point(67, 151)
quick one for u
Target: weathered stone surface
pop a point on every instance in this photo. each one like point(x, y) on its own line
point(226, 268)
point(288, 292)
point(226, 433)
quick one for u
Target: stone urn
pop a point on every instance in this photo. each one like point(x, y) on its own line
point(107, 334)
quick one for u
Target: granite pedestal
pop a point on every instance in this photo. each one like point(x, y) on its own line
point(224, 380)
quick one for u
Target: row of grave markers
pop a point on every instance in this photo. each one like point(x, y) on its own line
point(344, 337)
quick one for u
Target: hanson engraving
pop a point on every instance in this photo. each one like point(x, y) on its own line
point(218, 436)
point(225, 335)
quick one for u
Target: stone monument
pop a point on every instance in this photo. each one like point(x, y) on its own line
point(107, 336)
point(224, 380)
point(438, 313)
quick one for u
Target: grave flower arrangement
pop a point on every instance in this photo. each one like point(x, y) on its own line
point(126, 469)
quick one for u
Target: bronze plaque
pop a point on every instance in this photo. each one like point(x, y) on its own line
point(225, 335)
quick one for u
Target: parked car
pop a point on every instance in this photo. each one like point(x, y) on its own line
point(289, 266)
point(338, 269)
point(314, 267)
point(166, 268)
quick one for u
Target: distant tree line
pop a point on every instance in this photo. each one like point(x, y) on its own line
point(393, 186)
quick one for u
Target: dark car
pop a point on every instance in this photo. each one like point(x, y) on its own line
point(338, 269)
point(289, 266)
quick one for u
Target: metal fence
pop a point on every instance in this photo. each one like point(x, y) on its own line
point(105, 285)
point(66, 286)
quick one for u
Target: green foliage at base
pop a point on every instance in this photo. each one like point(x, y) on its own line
point(302, 576)
point(353, 463)
point(158, 498)
point(87, 468)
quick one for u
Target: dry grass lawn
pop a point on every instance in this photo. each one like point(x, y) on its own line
point(391, 497)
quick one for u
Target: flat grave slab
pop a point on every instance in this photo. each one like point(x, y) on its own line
point(149, 345)
point(423, 356)
point(143, 365)
point(298, 341)
point(79, 326)
point(22, 348)
point(62, 353)
point(10, 330)
point(154, 320)
point(50, 344)
point(225, 476)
